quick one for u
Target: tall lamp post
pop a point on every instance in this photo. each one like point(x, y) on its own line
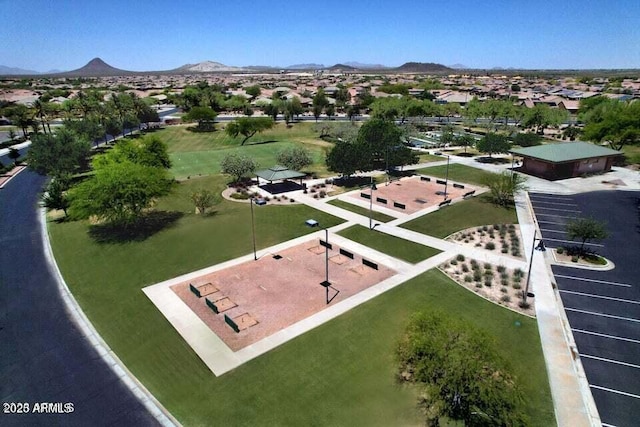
point(540, 247)
point(446, 180)
point(371, 188)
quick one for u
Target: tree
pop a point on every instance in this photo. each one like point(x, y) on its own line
point(272, 110)
point(465, 141)
point(460, 373)
point(614, 122)
point(12, 135)
point(503, 187)
point(253, 91)
point(294, 158)
point(541, 116)
point(586, 229)
point(493, 143)
point(55, 195)
point(383, 147)
point(120, 192)
point(248, 127)
point(320, 101)
point(205, 117)
point(346, 158)
point(238, 166)
point(330, 110)
point(527, 139)
point(203, 199)
point(62, 152)
point(14, 155)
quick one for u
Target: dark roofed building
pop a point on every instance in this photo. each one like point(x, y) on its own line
point(565, 160)
point(281, 174)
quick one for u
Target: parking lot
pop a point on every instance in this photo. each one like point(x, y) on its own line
point(603, 307)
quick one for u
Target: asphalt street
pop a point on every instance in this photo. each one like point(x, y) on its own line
point(603, 307)
point(43, 355)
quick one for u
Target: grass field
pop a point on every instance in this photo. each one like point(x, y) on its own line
point(426, 158)
point(467, 213)
point(377, 216)
point(194, 153)
point(403, 249)
point(458, 173)
point(341, 373)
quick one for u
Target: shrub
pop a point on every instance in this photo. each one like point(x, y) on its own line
point(505, 250)
point(574, 258)
point(505, 298)
point(501, 269)
point(524, 305)
point(468, 278)
point(488, 266)
point(460, 257)
point(488, 273)
point(465, 268)
point(490, 246)
point(560, 250)
point(504, 290)
point(504, 275)
point(474, 262)
point(478, 285)
point(516, 286)
point(454, 262)
point(477, 276)
point(485, 228)
point(518, 272)
point(496, 227)
point(488, 282)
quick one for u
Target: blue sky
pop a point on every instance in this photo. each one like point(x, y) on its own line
point(159, 35)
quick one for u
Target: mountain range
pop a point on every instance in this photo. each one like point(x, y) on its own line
point(99, 68)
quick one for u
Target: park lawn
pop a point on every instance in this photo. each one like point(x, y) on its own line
point(391, 245)
point(427, 158)
point(200, 153)
point(340, 373)
point(458, 173)
point(459, 216)
point(377, 216)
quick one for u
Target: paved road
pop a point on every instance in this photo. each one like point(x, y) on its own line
point(43, 355)
point(603, 307)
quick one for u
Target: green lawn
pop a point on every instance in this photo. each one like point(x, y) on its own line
point(341, 373)
point(200, 153)
point(403, 249)
point(468, 213)
point(427, 158)
point(377, 216)
point(458, 173)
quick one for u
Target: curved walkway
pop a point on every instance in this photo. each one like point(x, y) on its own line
point(44, 353)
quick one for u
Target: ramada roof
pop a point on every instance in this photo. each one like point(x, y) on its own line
point(277, 173)
point(565, 152)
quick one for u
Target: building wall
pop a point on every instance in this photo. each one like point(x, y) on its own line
point(594, 165)
point(536, 167)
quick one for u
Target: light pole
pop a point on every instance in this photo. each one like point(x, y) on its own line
point(253, 230)
point(446, 180)
point(371, 188)
point(541, 248)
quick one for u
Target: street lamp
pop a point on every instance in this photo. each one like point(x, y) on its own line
point(326, 284)
point(446, 180)
point(540, 247)
point(371, 188)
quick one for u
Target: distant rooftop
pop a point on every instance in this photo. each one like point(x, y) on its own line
point(565, 152)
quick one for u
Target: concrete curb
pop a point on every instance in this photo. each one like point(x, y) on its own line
point(84, 324)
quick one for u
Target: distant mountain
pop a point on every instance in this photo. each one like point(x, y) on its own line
point(305, 67)
point(340, 67)
point(13, 71)
point(207, 67)
point(96, 68)
point(422, 67)
point(458, 67)
point(360, 65)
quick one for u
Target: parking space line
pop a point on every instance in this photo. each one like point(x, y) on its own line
point(555, 209)
point(611, 316)
point(553, 203)
point(584, 279)
point(550, 197)
point(624, 393)
point(573, 241)
point(600, 296)
point(556, 216)
point(551, 222)
point(617, 362)
point(553, 231)
point(607, 425)
point(613, 337)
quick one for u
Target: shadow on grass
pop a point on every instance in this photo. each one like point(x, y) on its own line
point(260, 142)
point(140, 230)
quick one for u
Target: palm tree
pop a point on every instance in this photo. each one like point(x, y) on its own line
point(41, 110)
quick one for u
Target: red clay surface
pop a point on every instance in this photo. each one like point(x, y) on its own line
point(415, 194)
point(271, 294)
